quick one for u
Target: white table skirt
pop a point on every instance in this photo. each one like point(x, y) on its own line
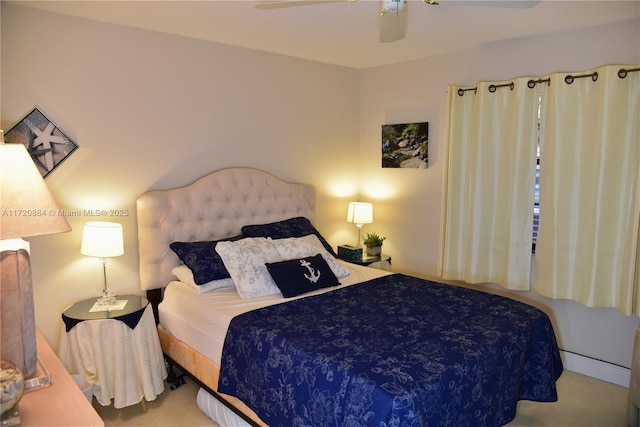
point(121, 363)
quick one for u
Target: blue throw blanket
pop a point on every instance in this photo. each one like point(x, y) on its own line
point(393, 351)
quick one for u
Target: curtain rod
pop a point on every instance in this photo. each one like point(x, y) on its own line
point(622, 73)
point(568, 79)
point(461, 91)
point(532, 83)
point(492, 88)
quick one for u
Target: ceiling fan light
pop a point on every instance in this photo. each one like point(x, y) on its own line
point(393, 25)
point(393, 6)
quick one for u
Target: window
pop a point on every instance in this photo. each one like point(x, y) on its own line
point(536, 203)
point(536, 195)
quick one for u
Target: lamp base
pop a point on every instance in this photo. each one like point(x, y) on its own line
point(17, 315)
point(106, 300)
point(40, 378)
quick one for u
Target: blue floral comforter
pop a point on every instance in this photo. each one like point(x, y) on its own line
point(393, 351)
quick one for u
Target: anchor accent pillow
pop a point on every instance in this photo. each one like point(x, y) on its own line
point(298, 276)
point(300, 247)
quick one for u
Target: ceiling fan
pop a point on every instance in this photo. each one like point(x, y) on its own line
point(394, 13)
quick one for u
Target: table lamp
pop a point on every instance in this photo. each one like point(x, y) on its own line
point(27, 209)
point(103, 240)
point(360, 213)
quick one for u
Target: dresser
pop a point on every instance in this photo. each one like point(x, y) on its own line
point(62, 403)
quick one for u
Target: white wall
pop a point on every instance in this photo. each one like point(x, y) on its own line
point(407, 203)
point(152, 111)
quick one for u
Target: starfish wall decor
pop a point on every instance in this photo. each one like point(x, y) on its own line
point(45, 142)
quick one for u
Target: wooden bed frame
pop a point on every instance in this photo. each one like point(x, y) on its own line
point(214, 207)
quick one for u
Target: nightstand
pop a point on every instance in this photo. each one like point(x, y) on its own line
point(382, 262)
point(118, 351)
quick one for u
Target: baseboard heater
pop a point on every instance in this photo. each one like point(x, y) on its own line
point(595, 368)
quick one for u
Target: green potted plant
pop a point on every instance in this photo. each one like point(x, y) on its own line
point(373, 242)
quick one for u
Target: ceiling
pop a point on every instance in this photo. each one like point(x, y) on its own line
point(346, 33)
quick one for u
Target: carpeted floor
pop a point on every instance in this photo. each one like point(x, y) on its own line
point(583, 402)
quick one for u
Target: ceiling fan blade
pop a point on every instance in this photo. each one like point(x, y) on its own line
point(292, 3)
point(393, 24)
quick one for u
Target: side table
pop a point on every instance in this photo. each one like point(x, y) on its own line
point(117, 350)
point(382, 262)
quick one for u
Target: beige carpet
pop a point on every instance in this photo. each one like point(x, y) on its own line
point(583, 402)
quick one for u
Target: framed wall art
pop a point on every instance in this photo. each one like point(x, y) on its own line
point(46, 143)
point(405, 145)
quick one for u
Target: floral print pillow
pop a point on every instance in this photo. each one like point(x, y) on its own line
point(245, 261)
point(292, 227)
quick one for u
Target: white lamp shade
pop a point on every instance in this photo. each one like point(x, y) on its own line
point(360, 213)
point(102, 239)
point(27, 206)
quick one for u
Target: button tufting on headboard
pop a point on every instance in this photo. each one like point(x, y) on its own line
point(213, 207)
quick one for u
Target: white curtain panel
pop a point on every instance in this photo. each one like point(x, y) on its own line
point(589, 189)
point(489, 184)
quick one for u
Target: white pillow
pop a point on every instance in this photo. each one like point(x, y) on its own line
point(302, 247)
point(245, 261)
point(185, 275)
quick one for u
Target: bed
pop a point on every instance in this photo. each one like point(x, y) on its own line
point(360, 346)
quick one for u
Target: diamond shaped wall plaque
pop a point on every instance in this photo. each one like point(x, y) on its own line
point(45, 142)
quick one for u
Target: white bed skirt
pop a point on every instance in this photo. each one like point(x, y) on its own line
point(217, 411)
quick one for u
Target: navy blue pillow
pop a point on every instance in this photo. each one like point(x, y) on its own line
point(202, 259)
point(292, 227)
point(299, 276)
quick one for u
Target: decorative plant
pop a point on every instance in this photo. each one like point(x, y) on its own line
point(373, 239)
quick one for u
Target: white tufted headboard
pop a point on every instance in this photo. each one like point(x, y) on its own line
point(213, 207)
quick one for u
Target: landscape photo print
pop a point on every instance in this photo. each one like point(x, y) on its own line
point(405, 145)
